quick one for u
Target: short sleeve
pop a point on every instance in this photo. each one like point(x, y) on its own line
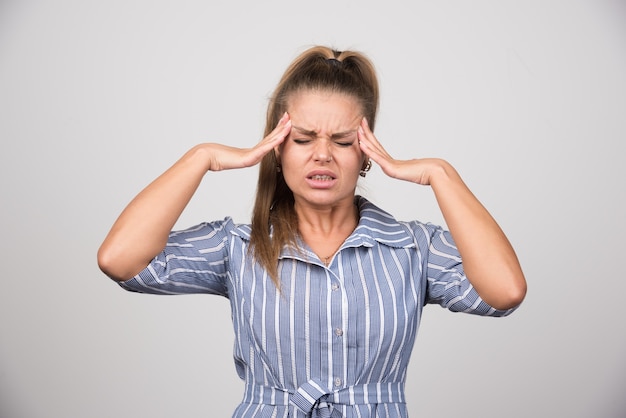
point(194, 260)
point(447, 284)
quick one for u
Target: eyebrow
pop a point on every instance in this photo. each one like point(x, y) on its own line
point(338, 135)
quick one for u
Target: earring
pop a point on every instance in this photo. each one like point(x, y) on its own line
point(278, 168)
point(365, 169)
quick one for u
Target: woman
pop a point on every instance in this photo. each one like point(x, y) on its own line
point(326, 289)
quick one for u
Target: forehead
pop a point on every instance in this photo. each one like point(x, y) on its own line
point(316, 110)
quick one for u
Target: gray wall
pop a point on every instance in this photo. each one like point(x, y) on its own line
point(527, 99)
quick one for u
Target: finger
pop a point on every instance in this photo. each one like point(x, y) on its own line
point(281, 130)
point(374, 150)
point(367, 133)
point(278, 135)
point(284, 126)
point(370, 144)
point(272, 140)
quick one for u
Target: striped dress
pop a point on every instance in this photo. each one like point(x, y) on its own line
point(336, 340)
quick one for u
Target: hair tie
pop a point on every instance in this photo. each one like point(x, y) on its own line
point(334, 62)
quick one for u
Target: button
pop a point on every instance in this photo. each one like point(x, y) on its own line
point(334, 287)
point(338, 332)
point(337, 381)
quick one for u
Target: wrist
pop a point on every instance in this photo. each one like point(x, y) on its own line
point(439, 172)
point(201, 156)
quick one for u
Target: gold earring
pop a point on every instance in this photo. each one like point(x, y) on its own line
point(365, 169)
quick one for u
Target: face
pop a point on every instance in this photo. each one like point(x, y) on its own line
point(321, 158)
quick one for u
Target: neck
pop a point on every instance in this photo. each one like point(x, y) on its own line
point(328, 220)
point(325, 230)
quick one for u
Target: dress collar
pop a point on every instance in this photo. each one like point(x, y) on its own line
point(375, 226)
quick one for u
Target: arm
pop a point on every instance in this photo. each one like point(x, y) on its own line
point(142, 229)
point(489, 260)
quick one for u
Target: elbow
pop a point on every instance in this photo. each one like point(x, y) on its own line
point(512, 295)
point(513, 299)
point(110, 264)
point(503, 290)
point(521, 291)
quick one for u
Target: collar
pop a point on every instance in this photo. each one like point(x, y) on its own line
point(375, 226)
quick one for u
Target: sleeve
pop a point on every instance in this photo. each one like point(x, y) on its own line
point(446, 282)
point(194, 260)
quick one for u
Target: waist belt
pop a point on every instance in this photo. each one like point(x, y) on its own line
point(317, 401)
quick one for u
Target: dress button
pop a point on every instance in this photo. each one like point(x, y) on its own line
point(337, 381)
point(334, 287)
point(338, 332)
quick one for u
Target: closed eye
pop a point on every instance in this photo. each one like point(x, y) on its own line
point(344, 139)
point(344, 143)
point(301, 141)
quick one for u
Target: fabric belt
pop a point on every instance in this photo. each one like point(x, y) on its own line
point(316, 400)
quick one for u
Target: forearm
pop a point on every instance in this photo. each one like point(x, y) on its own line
point(489, 260)
point(142, 229)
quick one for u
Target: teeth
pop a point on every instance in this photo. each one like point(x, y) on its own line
point(318, 177)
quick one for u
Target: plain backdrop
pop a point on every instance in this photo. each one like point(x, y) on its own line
point(527, 99)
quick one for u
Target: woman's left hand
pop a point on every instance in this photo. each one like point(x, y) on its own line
point(489, 260)
point(418, 171)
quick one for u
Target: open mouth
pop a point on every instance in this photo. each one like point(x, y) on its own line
point(321, 177)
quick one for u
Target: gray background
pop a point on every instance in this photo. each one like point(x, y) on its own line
point(526, 98)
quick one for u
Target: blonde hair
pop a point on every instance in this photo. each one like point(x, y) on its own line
point(274, 220)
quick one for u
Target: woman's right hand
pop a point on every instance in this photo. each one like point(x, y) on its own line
point(223, 157)
point(142, 229)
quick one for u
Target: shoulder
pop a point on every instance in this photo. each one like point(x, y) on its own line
point(385, 228)
point(209, 233)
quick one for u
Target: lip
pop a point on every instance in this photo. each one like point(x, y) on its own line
point(314, 180)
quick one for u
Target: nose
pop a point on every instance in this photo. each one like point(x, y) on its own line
point(322, 151)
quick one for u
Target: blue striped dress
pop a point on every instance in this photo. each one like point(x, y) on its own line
point(335, 341)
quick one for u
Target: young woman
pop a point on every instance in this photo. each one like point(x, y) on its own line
point(326, 289)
